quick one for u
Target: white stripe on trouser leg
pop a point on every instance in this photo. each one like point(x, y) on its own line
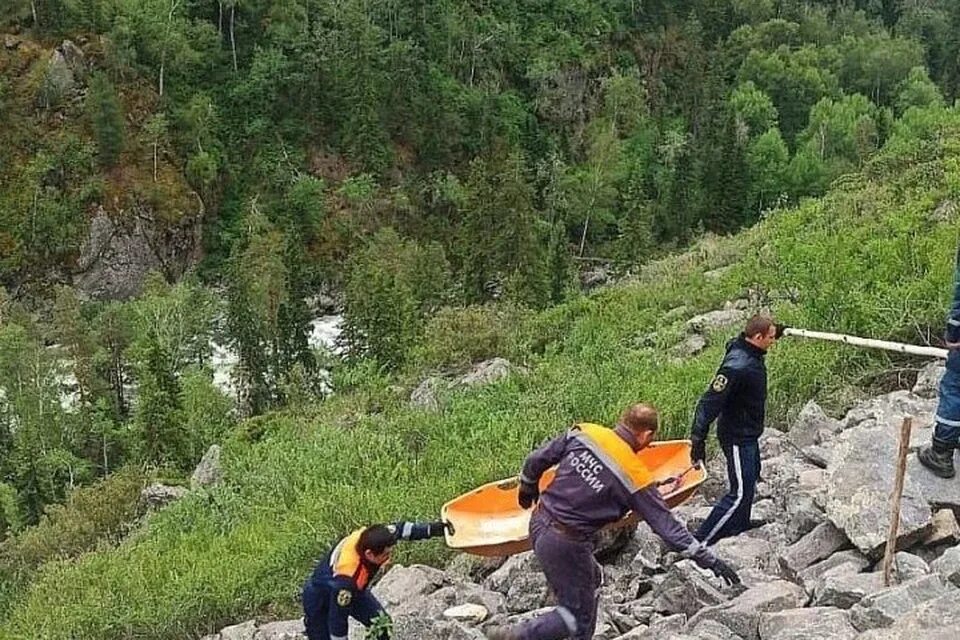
point(738, 471)
point(568, 619)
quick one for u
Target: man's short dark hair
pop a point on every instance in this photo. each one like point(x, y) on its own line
point(640, 418)
point(376, 538)
point(759, 323)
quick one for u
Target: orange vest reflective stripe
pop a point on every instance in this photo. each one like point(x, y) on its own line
point(616, 454)
point(345, 560)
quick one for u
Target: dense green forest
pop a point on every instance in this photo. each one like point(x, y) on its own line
point(448, 168)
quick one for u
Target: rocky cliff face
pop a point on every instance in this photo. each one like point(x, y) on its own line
point(811, 566)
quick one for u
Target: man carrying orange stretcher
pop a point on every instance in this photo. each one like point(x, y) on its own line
point(598, 480)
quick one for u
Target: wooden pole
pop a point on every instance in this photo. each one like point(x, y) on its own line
point(895, 499)
point(886, 345)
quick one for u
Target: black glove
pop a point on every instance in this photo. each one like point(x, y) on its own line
point(698, 451)
point(436, 529)
point(780, 329)
point(725, 572)
point(528, 494)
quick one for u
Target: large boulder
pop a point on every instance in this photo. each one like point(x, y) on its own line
point(209, 472)
point(486, 372)
point(403, 589)
point(937, 619)
point(521, 581)
point(815, 623)
point(821, 543)
point(812, 426)
point(426, 396)
point(883, 608)
point(119, 253)
point(686, 590)
point(851, 560)
point(928, 380)
point(947, 566)
point(844, 589)
point(742, 614)
point(281, 630)
point(157, 496)
point(858, 489)
point(938, 492)
point(718, 319)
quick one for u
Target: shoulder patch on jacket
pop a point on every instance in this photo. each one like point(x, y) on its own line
point(719, 383)
point(344, 597)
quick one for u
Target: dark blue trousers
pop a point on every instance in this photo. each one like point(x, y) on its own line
point(731, 515)
point(573, 575)
point(317, 601)
point(948, 409)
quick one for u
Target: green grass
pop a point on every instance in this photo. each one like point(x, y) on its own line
point(866, 259)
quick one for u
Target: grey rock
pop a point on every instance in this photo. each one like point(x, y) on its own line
point(815, 623)
point(209, 472)
point(242, 631)
point(928, 380)
point(821, 543)
point(719, 319)
point(889, 410)
point(818, 455)
point(595, 277)
point(765, 511)
point(843, 590)
point(803, 515)
point(742, 614)
point(157, 496)
point(810, 423)
point(713, 630)
point(851, 560)
point(486, 372)
point(470, 568)
point(427, 394)
point(883, 608)
point(937, 619)
point(281, 630)
point(403, 589)
point(858, 487)
point(907, 566)
point(939, 492)
point(685, 590)
point(947, 566)
point(691, 346)
point(945, 528)
point(945, 211)
point(522, 581)
point(745, 552)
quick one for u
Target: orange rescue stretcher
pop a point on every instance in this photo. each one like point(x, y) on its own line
point(488, 521)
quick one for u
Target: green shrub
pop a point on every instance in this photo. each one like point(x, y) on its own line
point(458, 336)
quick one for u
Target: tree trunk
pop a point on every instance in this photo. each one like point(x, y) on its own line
point(156, 145)
point(233, 41)
point(220, 19)
point(33, 10)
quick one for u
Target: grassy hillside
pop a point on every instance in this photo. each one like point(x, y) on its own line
point(872, 257)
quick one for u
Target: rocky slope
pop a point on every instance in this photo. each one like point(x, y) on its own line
point(811, 566)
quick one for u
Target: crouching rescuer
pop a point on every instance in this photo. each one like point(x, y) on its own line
point(337, 589)
point(598, 480)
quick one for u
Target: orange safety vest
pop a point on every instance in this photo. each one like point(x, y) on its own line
point(616, 455)
point(345, 560)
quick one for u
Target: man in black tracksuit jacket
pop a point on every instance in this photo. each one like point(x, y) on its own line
point(736, 399)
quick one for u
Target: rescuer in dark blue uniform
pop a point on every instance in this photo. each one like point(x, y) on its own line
point(736, 399)
point(938, 457)
point(337, 590)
